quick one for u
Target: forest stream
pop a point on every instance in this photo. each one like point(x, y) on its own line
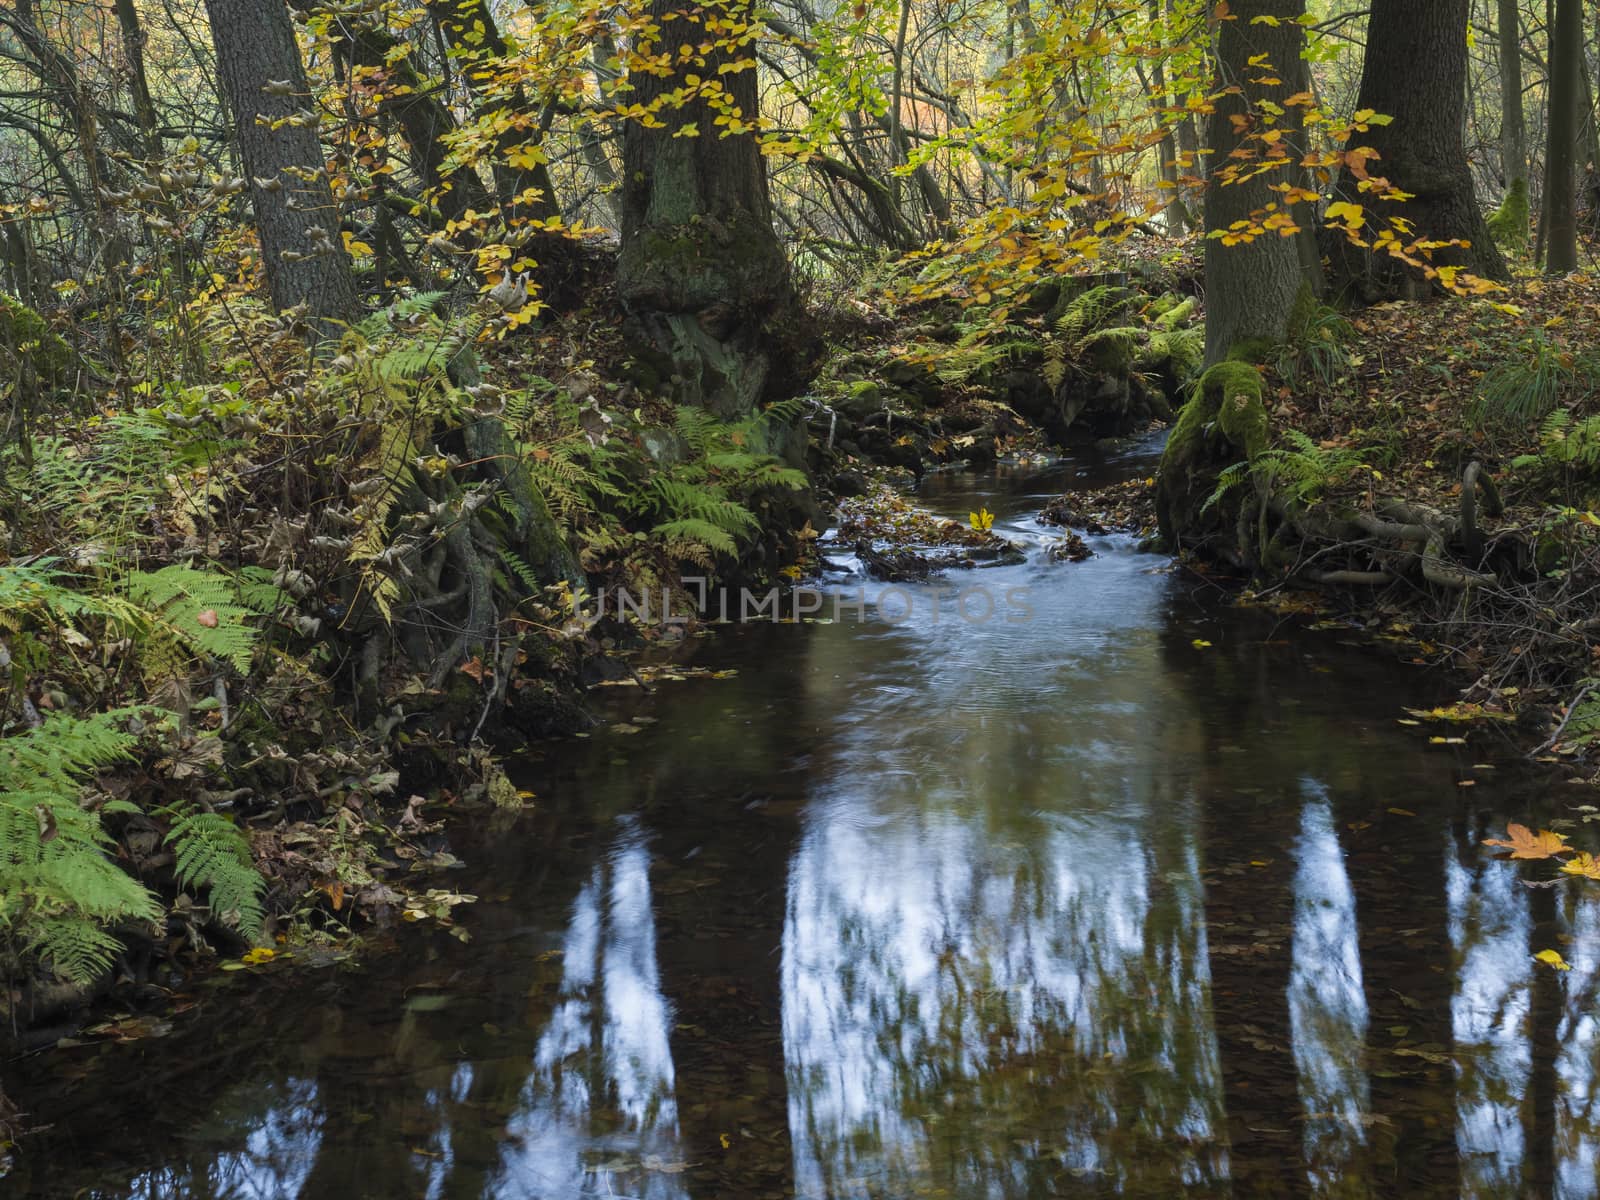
point(1122, 891)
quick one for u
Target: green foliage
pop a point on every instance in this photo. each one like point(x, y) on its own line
point(204, 612)
point(700, 504)
point(59, 890)
point(1315, 347)
point(1529, 384)
point(1299, 473)
point(212, 853)
point(61, 894)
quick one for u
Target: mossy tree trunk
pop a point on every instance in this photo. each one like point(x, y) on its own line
point(301, 250)
point(1415, 72)
point(1251, 285)
point(702, 273)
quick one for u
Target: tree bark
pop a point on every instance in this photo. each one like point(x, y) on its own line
point(296, 218)
point(423, 117)
point(1561, 173)
point(701, 271)
point(1415, 72)
point(1250, 286)
point(1513, 125)
point(144, 108)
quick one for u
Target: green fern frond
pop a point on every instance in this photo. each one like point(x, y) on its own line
point(212, 853)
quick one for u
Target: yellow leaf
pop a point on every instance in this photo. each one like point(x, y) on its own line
point(1524, 843)
point(1552, 958)
point(260, 954)
point(1586, 865)
point(982, 520)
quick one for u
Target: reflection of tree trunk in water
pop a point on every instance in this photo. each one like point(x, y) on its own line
point(719, 924)
point(1539, 1105)
point(1403, 935)
point(365, 1105)
point(1249, 923)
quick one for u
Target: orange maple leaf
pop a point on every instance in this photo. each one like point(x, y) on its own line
point(1586, 865)
point(1525, 843)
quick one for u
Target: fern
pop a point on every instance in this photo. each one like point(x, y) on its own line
point(1299, 473)
point(212, 853)
point(206, 612)
point(58, 886)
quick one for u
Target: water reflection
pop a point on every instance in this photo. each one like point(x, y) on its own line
point(600, 1098)
point(1327, 1005)
point(1143, 897)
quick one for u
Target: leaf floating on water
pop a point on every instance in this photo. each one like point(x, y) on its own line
point(1200, 643)
point(1586, 865)
point(1447, 741)
point(1524, 843)
point(1552, 958)
point(1461, 712)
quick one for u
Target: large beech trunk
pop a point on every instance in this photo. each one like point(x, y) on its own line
point(1251, 286)
point(701, 272)
point(1415, 72)
point(301, 249)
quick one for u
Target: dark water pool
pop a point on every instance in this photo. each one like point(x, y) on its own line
point(1140, 896)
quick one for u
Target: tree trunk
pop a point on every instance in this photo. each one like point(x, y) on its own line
point(701, 271)
point(1561, 174)
point(144, 108)
point(1251, 286)
point(301, 250)
point(521, 173)
point(423, 117)
point(1415, 72)
point(1513, 126)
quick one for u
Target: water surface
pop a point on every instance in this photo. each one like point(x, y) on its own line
point(1141, 896)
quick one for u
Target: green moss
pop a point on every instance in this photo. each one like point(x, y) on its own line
point(1175, 316)
point(1251, 351)
point(1303, 315)
point(1180, 351)
point(1112, 351)
point(25, 333)
point(1508, 224)
point(1241, 415)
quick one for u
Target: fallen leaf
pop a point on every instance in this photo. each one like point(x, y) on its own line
point(1552, 958)
point(1524, 843)
point(1586, 865)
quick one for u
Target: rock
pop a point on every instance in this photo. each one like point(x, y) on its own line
point(850, 483)
point(860, 400)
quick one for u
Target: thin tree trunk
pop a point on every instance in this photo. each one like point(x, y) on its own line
point(301, 248)
point(1561, 175)
point(1513, 125)
point(144, 108)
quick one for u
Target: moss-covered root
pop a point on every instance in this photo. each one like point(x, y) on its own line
point(1508, 224)
point(1226, 422)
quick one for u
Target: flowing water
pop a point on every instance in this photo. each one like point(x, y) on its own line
point(1120, 892)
